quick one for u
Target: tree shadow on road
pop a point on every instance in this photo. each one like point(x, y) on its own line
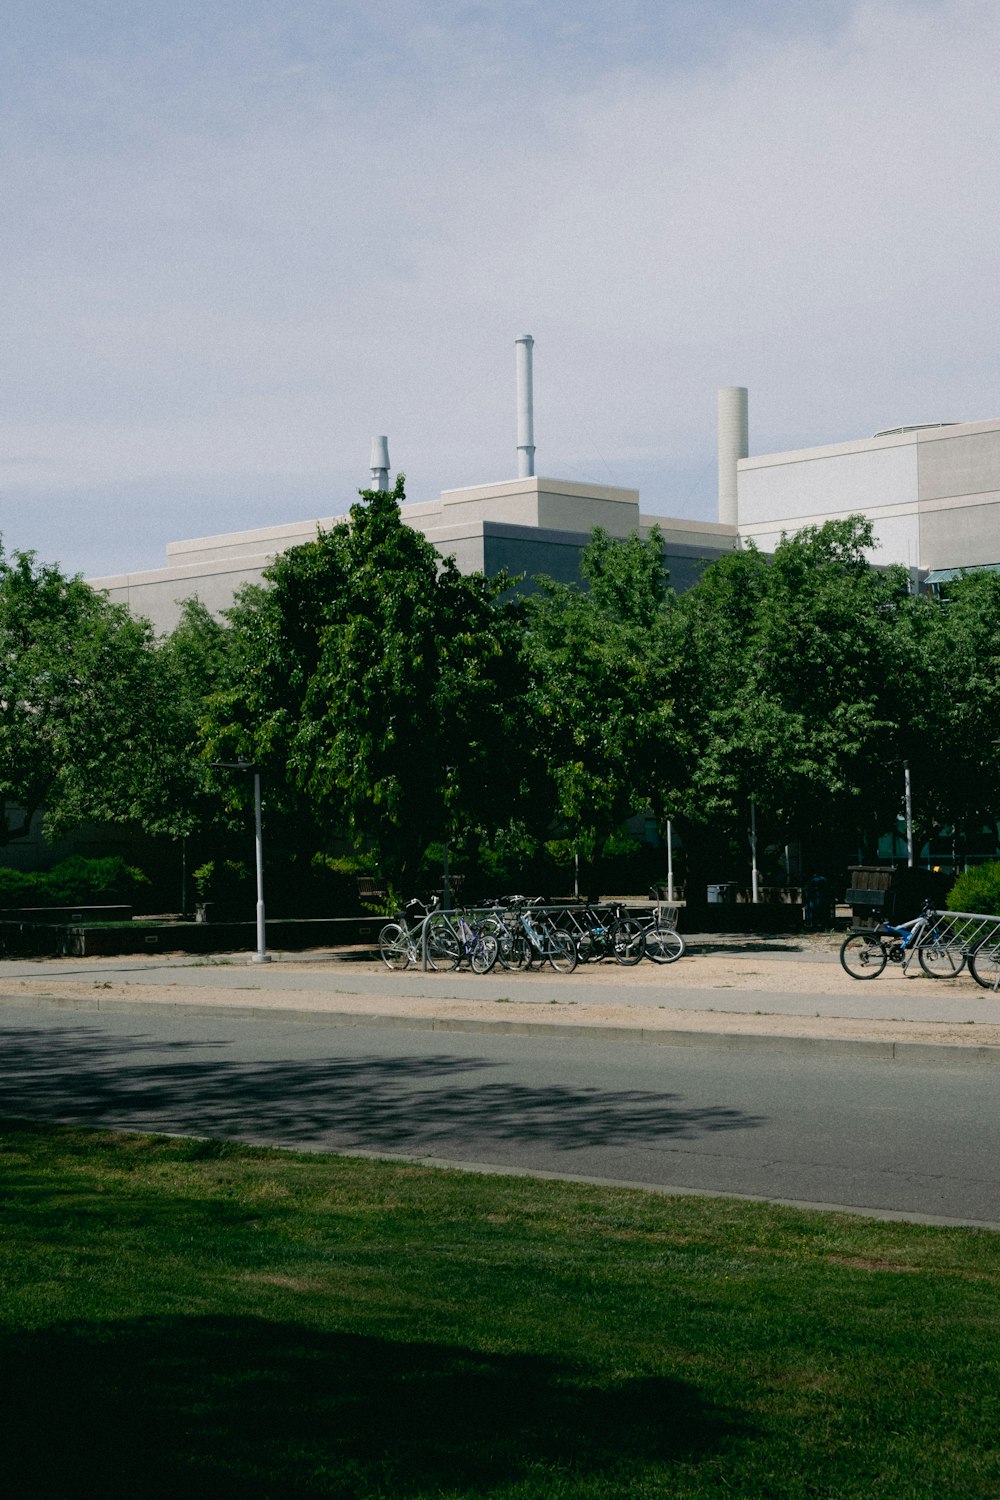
point(417, 1103)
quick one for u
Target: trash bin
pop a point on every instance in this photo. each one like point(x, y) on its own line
point(722, 894)
point(817, 903)
point(869, 895)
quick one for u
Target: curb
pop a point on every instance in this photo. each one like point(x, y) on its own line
point(946, 1054)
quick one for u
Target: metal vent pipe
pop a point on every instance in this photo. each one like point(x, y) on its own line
point(734, 444)
point(380, 463)
point(525, 408)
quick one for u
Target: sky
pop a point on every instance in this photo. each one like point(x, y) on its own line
point(239, 239)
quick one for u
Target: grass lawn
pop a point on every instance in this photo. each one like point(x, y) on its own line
point(196, 1319)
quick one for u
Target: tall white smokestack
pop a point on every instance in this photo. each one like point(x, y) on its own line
point(525, 408)
point(734, 444)
point(380, 463)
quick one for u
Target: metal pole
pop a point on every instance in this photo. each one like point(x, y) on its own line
point(755, 888)
point(909, 814)
point(525, 408)
point(670, 862)
point(261, 956)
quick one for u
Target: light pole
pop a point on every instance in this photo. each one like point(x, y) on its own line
point(909, 813)
point(446, 889)
point(754, 878)
point(261, 956)
point(907, 810)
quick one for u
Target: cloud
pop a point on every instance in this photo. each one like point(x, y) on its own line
point(243, 241)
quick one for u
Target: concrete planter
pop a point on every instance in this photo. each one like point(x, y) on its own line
point(220, 937)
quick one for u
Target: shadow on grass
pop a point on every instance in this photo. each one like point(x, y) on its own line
point(407, 1101)
point(237, 1407)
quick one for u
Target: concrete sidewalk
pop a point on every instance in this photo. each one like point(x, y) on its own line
point(730, 996)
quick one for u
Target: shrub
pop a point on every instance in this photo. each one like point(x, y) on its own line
point(977, 890)
point(72, 882)
point(226, 883)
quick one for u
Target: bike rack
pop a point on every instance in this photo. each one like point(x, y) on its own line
point(963, 931)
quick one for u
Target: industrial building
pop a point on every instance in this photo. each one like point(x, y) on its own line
point(528, 526)
point(932, 492)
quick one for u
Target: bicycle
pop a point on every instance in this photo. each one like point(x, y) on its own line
point(453, 939)
point(513, 951)
point(539, 939)
point(603, 932)
point(865, 951)
point(663, 943)
point(414, 933)
point(984, 966)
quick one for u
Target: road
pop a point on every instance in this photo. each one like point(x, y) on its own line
point(919, 1139)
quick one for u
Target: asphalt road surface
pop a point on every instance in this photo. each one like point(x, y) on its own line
point(917, 1139)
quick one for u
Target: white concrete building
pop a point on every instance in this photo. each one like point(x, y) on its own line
point(931, 491)
point(528, 526)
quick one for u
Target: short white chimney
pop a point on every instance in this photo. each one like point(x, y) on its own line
point(380, 464)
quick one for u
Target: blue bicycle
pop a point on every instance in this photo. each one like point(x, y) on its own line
point(865, 951)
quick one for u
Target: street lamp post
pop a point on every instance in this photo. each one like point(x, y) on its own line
point(908, 802)
point(446, 885)
point(901, 760)
point(754, 877)
point(261, 956)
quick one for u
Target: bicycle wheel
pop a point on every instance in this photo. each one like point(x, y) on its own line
point(561, 952)
point(518, 954)
point(862, 956)
point(590, 946)
point(628, 941)
point(939, 961)
point(493, 927)
point(984, 966)
point(395, 947)
point(663, 945)
point(444, 951)
point(484, 953)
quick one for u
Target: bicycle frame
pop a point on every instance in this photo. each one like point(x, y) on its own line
point(459, 936)
point(909, 936)
point(540, 938)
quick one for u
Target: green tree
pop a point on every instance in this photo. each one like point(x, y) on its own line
point(791, 667)
point(378, 687)
point(86, 727)
point(191, 668)
point(953, 701)
point(602, 664)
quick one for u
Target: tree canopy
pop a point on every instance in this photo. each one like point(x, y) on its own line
point(790, 666)
point(602, 661)
point(88, 723)
point(393, 703)
point(378, 683)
